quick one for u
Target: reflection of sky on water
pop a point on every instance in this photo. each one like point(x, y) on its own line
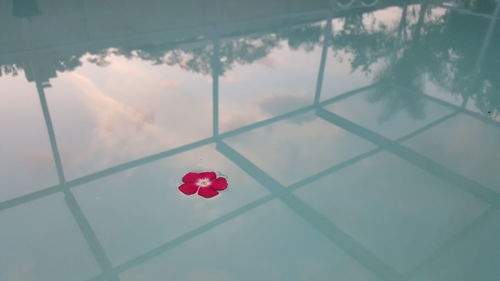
point(37, 241)
point(281, 82)
point(400, 231)
point(25, 148)
point(376, 134)
point(295, 148)
point(126, 110)
point(250, 247)
point(479, 163)
point(110, 213)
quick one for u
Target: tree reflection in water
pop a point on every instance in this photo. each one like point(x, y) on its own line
point(426, 44)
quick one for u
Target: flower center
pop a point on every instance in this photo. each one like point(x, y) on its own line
point(203, 182)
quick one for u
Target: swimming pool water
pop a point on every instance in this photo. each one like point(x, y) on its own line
point(360, 140)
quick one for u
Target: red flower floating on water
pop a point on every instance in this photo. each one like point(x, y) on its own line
point(207, 184)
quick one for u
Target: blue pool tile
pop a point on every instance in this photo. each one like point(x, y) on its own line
point(386, 116)
point(44, 242)
point(294, 148)
point(473, 153)
point(397, 211)
point(140, 209)
point(257, 245)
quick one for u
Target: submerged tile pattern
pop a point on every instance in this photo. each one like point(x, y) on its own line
point(361, 186)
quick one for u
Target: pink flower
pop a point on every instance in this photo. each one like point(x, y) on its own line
point(207, 184)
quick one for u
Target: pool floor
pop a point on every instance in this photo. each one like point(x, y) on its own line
point(360, 140)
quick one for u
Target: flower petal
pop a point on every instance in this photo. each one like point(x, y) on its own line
point(190, 178)
point(219, 184)
point(207, 175)
point(207, 192)
point(188, 188)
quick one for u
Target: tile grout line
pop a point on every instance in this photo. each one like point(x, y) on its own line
point(455, 107)
point(90, 237)
point(170, 244)
point(413, 157)
point(450, 243)
point(88, 233)
point(240, 211)
point(165, 154)
point(331, 231)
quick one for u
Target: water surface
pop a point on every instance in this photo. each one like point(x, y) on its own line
point(360, 139)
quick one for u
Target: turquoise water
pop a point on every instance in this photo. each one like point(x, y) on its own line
point(360, 140)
